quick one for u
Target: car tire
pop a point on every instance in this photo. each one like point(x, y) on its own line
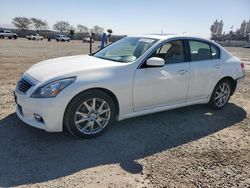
point(68, 40)
point(89, 114)
point(57, 40)
point(2, 37)
point(15, 37)
point(221, 94)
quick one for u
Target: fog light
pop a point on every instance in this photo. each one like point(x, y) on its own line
point(38, 117)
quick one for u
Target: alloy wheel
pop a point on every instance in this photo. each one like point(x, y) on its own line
point(92, 116)
point(222, 94)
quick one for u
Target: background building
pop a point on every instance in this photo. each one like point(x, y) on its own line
point(244, 28)
point(216, 28)
point(240, 34)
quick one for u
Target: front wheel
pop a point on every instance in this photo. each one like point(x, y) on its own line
point(89, 114)
point(221, 95)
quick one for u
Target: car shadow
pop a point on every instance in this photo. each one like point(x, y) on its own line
point(30, 155)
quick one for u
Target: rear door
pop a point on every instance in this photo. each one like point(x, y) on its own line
point(204, 69)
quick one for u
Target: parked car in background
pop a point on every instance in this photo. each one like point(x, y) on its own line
point(62, 38)
point(8, 34)
point(247, 45)
point(34, 37)
point(87, 40)
point(134, 76)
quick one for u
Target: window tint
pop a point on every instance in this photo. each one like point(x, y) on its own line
point(199, 50)
point(215, 52)
point(171, 52)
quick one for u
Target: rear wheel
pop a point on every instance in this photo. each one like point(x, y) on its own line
point(221, 95)
point(2, 37)
point(89, 114)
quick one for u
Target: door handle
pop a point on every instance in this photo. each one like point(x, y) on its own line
point(182, 72)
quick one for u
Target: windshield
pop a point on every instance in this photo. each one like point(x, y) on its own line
point(126, 50)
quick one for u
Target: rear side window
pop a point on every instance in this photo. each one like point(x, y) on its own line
point(199, 50)
point(215, 52)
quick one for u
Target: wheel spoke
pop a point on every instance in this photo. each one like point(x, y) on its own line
point(91, 127)
point(82, 114)
point(102, 119)
point(81, 120)
point(103, 111)
point(87, 106)
point(100, 108)
point(86, 126)
point(220, 101)
point(93, 103)
point(99, 123)
point(217, 97)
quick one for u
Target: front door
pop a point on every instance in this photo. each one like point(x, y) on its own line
point(160, 86)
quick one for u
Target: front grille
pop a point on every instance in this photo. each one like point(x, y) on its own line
point(23, 85)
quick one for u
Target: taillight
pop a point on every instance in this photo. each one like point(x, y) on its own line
point(242, 65)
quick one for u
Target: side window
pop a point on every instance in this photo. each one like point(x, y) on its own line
point(215, 52)
point(171, 52)
point(199, 50)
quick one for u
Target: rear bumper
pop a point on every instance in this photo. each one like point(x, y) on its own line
point(239, 83)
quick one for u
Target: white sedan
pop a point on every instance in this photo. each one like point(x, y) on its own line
point(133, 76)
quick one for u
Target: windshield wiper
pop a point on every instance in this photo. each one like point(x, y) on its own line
point(109, 59)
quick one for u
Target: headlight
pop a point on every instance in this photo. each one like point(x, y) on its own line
point(52, 89)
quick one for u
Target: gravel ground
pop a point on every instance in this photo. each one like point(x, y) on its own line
point(187, 147)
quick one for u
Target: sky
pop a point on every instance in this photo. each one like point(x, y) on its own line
point(192, 17)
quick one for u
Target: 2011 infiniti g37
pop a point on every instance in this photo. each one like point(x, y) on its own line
point(133, 76)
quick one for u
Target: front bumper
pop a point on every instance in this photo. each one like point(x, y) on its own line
point(50, 109)
point(239, 83)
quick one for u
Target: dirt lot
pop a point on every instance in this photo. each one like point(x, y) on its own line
point(187, 147)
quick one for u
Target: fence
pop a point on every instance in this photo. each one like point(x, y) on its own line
point(52, 34)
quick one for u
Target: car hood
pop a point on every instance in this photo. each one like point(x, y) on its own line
point(67, 66)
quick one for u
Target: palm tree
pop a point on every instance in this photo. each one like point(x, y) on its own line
point(109, 33)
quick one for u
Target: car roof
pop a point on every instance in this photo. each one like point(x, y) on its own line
point(169, 36)
point(174, 36)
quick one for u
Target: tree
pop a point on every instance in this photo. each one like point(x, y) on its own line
point(97, 29)
point(71, 30)
point(109, 33)
point(61, 26)
point(82, 29)
point(21, 22)
point(38, 23)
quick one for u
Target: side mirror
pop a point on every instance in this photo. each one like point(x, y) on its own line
point(155, 62)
